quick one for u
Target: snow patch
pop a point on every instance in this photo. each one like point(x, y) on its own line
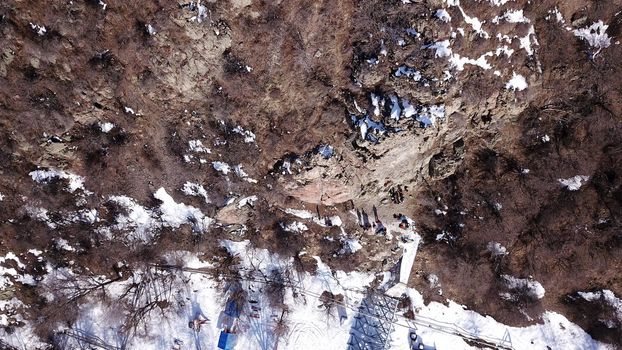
point(150, 29)
point(250, 200)
point(574, 183)
point(196, 190)
point(249, 137)
point(443, 15)
point(76, 182)
point(305, 214)
point(294, 227)
point(609, 298)
point(512, 16)
point(533, 288)
point(350, 246)
point(197, 147)
point(105, 127)
point(496, 249)
point(595, 35)
point(517, 82)
point(222, 167)
point(136, 218)
point(176, 214)
point(40, 30)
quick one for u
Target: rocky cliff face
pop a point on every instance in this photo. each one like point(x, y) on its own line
point(494, 125)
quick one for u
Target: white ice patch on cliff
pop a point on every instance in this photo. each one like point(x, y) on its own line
point(595, 35)
point(295, 227)
point(350, 246)
point(609, 298)
point(517, 82)
point(175, 214)
point(533, 288)
point(136, 218)
point(75, 182)
point(250, 200)
point(40, 30)
point(512, 16)
point(443, 15)
point(249, 137)
point(196, 190)
point(105, 127)
point(222, 167)
point(574, 183)
point(197, 147)
point(496, 249)
point(441, 48)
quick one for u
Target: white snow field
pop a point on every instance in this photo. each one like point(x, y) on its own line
point(309, 326)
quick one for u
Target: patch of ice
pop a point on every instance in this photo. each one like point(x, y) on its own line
point(429, 115)
point(396, 111)
point(459, 62)
point(250, 200)
point(300, 213)
point(326, 151)
point(574, 183)
point(443, 15)
point(201, 10)
point(242, 174)
point(376, 101)
point(176, 214)
point(409, 110)
point(475, 23)
point(75, 182)
point(295, 227)
point(40, 214)
point(525, 42)
point(595, 35)
point(555, 332)
point(197, 147)
point(441, 48)
point(222, 167)
point(496, 249)
point(366, 125)
point(606, 296)
point(533, 288)
point(504, 50)
point(63, 244)
point(40, 30)
point(196, 190)
point(150, 29)
point(558, 16)
point(87, 216)
point(350, 246)
point(136, 218)
point(408, 72)
point(433, 280)
point(517, 82)
point(35, 252)
point(512, 16)
point(105, 127)
point(305, 214)
point(249, 137)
